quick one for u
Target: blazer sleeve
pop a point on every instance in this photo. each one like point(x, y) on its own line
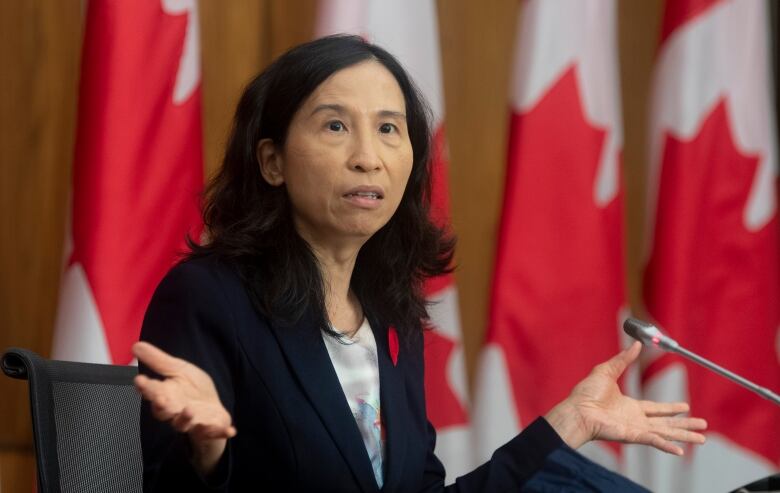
point(511, 465)
point(189, 318)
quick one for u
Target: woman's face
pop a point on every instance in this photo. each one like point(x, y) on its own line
point(347, 157)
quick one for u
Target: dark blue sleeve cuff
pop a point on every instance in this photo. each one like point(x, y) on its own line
point(567, 470)
point(529, 450)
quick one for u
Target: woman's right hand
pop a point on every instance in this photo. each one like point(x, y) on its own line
point(188, 400)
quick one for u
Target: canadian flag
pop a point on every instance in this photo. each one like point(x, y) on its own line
point(409, 30)
point(712, 279)
point(137, 174)
point(558, 287)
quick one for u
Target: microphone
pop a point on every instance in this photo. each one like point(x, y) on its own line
point(649, 335)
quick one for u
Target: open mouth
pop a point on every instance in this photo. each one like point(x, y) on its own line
point(365, 195)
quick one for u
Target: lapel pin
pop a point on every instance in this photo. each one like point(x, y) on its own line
point(392, 343)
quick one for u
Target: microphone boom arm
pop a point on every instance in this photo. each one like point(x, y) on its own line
point(646, 333)
point(762, 391)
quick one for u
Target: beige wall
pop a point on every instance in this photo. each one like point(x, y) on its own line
point(39, 56)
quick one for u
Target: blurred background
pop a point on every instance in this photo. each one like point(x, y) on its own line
point(498, 62)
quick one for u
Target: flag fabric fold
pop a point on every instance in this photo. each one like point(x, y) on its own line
point(138, 171)
point(558, 292)
point(712, 277)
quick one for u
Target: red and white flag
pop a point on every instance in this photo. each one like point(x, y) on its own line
point(558, 286)
point(409, 30)
point(137, 173)
point(712, 280)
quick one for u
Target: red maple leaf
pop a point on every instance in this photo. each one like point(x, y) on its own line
point(558, 281)
point(138, 163)
point(714, 285)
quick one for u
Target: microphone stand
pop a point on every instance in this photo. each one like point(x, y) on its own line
point(646, 333)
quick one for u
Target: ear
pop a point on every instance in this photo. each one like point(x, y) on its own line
point(270, 161)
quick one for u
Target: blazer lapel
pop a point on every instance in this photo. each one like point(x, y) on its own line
point(308, 357)
point(392, 394)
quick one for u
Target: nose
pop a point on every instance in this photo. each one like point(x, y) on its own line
point(365, 157)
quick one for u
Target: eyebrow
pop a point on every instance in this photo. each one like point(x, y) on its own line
point(341, 110)
point(390, 113)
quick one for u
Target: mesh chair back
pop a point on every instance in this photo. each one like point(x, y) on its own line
point(85, 423)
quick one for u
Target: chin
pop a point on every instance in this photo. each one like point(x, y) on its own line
point(365, 226)
point(361, 233)
point(362, 230)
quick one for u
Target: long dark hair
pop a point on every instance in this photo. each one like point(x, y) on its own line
point(250, 222)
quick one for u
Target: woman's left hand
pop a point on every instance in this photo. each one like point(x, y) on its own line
point(596, 409)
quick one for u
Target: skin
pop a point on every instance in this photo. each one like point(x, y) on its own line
point(351, 131)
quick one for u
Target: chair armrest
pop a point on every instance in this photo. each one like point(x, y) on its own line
point(18, 363)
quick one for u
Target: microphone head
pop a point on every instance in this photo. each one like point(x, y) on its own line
point(644, 332)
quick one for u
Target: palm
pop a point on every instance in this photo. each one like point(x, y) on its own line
point(186, 397)
point(602, 412)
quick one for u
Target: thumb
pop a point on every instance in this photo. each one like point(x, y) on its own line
point(157, 359)
point(616, 365)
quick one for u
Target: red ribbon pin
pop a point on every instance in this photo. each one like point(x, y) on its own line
point(392, 342)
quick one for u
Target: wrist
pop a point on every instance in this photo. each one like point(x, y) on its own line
point(205, 454)
point(568, 424)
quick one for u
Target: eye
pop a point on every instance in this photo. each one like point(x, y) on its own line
point(335, 126)
point(387, 128)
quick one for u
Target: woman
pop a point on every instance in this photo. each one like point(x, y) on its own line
point(286, 353)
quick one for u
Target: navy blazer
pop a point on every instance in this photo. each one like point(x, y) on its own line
point(295, 429)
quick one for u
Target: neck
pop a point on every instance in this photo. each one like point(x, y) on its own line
point(341, 304)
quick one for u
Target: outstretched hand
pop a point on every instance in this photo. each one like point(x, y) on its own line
point(188, 400)
point(596, 409)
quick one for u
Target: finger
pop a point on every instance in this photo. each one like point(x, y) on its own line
point(150, 388)
point(163, 405)
point(660, 443)
point(693, 424)
point(140, 382)
point(209, 422)
point(679, 435)
point(183, 421)
point(204, 431)
point(163, 412)
point(652, 408)
point(221, 432)
point(157, 359)
point(615, 366)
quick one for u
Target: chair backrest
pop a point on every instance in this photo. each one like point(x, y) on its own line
point(85, 423)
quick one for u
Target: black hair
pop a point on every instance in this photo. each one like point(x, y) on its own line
point(249, 221)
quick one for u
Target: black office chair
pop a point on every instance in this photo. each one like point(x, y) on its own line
point(85, 423)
